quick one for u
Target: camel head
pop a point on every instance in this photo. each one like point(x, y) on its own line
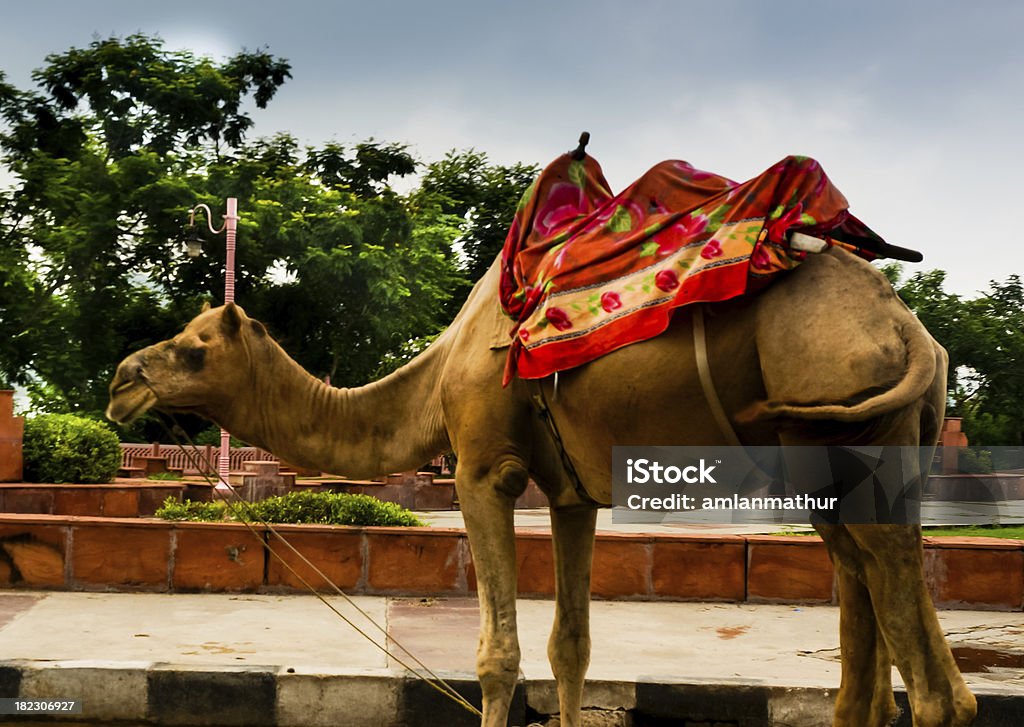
point(198, 371)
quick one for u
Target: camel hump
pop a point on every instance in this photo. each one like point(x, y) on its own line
point(836, 342)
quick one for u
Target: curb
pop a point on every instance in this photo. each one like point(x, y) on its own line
point(144, 693)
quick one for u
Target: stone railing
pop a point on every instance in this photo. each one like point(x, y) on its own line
point(202, 460)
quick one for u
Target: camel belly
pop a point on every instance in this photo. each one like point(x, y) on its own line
point(649, 394)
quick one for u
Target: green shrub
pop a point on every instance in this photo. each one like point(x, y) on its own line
point(172, 509)
point(319, 508)
point(974, 461)
point(330, 508)
point(66, 448)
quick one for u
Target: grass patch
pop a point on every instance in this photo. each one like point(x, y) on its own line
point(1013, 532)
point(980, 531)
point(165, 476)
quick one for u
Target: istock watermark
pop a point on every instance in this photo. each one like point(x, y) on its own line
point(642, 471)
point(798, 485)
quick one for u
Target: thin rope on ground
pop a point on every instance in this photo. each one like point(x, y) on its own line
point(432, 679)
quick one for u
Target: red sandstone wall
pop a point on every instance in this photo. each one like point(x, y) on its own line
point(11, 430)
point(89, 553)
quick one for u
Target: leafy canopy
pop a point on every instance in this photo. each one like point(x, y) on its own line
point(110, 151)
point(984, 337)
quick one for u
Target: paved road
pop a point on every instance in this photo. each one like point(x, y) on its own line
point(289, 660)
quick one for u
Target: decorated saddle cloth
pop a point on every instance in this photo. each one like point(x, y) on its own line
point(584, 272)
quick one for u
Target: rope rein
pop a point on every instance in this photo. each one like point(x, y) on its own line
point(430, 678)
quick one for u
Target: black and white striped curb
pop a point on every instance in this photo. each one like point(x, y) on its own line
point(143, 693)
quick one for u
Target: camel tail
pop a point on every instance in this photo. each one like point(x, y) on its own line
point(916, 380)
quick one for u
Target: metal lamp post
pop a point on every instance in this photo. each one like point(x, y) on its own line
point(230, 228)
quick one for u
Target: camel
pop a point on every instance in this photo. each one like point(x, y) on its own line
point(828, 353)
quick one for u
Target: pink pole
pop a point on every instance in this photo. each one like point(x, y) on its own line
point(230, 227)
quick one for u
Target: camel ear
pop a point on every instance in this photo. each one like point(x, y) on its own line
point(206, 307)
point(231, 320)
point(258, 328)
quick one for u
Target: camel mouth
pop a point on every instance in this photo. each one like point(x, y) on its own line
point(130, 400)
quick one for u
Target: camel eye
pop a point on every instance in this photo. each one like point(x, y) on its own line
point(192, 357)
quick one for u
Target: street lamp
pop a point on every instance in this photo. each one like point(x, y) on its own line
point(229, 227)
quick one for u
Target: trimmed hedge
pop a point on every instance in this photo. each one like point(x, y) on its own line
point(205, 512)
point(64, 448)
point(319, 508)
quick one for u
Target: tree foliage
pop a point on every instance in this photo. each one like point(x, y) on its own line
point(984, 337)
point(118, 142)
point(483, 196)
point(103, 159)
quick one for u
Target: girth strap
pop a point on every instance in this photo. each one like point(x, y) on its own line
point(540, 402)
point(707, 384)
point(700, 349)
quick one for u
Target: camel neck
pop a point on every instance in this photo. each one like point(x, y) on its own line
point(390, 425)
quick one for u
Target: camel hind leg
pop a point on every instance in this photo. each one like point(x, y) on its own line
point(865, 696)
point(882, 569)
point(892, 562)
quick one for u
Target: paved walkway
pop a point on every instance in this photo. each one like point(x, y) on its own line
point(287, 660)
point(945, 513)
point(540, 519)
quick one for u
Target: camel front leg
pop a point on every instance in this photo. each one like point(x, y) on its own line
point(893, 572)
point(865, 696)
point(572, 532)
point(487, 507)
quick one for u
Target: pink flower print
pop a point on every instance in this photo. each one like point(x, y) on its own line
point(681, 233)
point(697, 175)
point(711, 250)
point(563, 204)
point(610, 208)
point(533, 294)
point(611, 301)
point(777, 228)
point(667, 280)
point(794, 162)
point(558, 318)
point(760, 258)
point(524, 335)
point(560, 257)
point(692, 226)
point(806, 167)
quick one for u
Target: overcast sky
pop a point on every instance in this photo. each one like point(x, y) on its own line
point(914, 108)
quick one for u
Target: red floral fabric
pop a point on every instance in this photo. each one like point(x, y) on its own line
point(585, 272)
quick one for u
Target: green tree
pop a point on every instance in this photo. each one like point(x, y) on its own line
point(102, 157)
point(483, 196)
point(123, 139)
point(984, 337)
point(341, 268)
point(995, 414)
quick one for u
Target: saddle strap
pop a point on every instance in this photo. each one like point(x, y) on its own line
point(700, 349)
point(540, 404)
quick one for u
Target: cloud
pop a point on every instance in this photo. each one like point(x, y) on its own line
point(913, 109)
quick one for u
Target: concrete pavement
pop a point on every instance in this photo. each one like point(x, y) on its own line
point(218, 659)
point(540, 519)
